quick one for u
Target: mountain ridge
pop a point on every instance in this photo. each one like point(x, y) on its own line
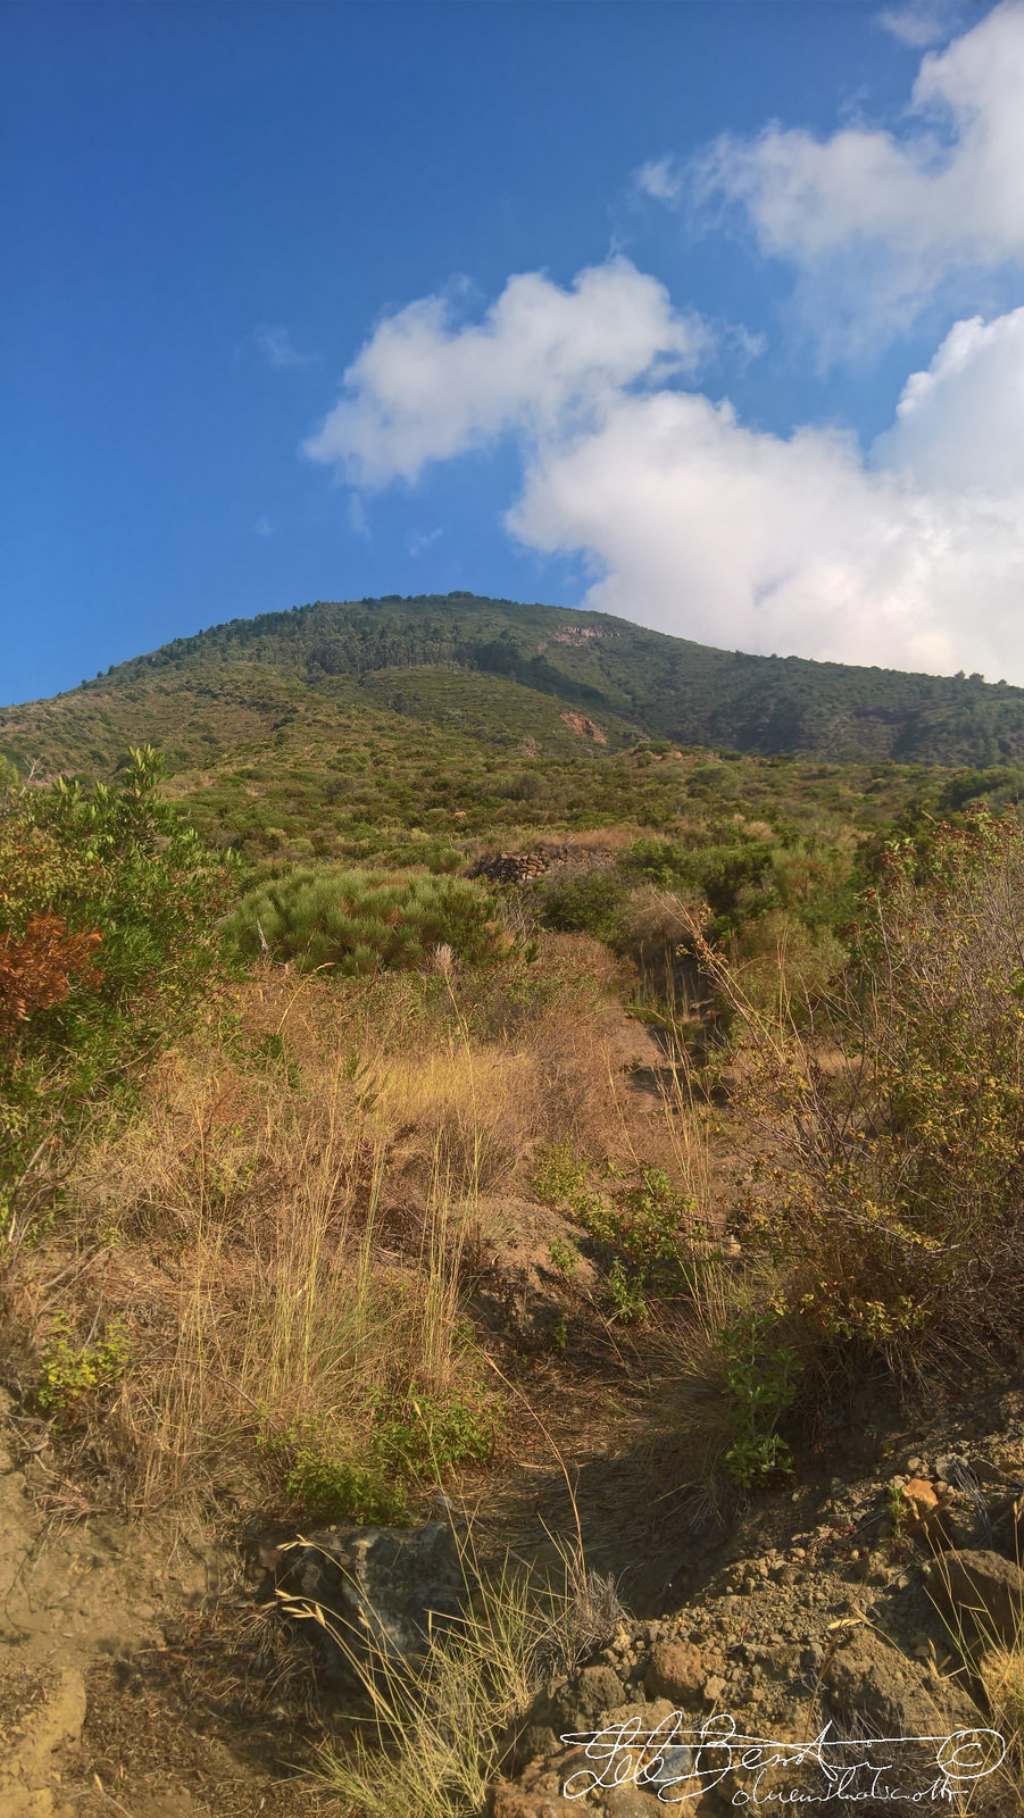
point(651, 684)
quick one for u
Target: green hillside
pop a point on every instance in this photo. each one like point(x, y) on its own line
point(204, 696)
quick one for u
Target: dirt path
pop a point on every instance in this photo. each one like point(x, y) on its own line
point(103, 1711)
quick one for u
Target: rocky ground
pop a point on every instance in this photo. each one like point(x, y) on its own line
point(141, 1674)
point(888, 1617)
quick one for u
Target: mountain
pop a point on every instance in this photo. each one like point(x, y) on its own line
point(409, 712)
point(209, 692)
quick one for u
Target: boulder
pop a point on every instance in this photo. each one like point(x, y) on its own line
point(1007, 1520)
point(598, 1689)
point(874, 1688)
point(982, 1590)
point(632, 1801)
point(677, 1671)
point(379, 1591)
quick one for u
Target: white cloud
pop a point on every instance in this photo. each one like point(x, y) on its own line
point(961, 424)
point(922, 23)
point(660, 178)
point(423, 540)
point(876, 222)
point(424, 389)
point(274, 344)
point(690, 520)
point(263, 527)
point(742, 539)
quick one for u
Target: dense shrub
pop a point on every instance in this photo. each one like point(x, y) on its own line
point(893, 1211)
point(359, 920)
point(594, 903)
point(784, 965)
point(107, 906)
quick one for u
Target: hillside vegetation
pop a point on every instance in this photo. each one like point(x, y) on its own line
point(415, 1080)
point(202, 695)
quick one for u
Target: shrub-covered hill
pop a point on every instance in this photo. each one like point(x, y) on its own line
point(201, 696)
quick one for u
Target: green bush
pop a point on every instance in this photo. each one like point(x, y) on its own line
point(663, 862)
point(761, 1378)
point(108, 912)
point(642, 1229)
point(784, 965)
point(359, 920)
point(592, 904)
point(892, 1209)
point(71, 1372)
point(413, 1441)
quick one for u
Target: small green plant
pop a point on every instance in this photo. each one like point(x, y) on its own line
point(761, 1377)
point(564, 1256)
point(424, 1437)
point(641, 1227)
point(561, 1176)
point(269, 1050)
point(334, 1489)
point(626, 1294)
point(561, 1180)
point(649, 1228)
point(413, 1441)
point(897, 1510)
point(73, 1373)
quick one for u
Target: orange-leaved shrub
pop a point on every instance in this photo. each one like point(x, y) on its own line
point(37, 967)
point(108, 913)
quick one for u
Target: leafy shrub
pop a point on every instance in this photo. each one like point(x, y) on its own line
point(594, 903)
point(437, 856)
point(784, 964)
point(761, 1378)
point(892, 1209)
point(359, 920)
point(108, 906)
point(328, 1488)
point(626, 1294)
point(425, 1437)
point(643, 1229)
point(71, 1373)
point(663, 862)
point(415, 1440)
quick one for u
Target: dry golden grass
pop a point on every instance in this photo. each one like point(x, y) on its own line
point(275, 1228)
point(1001, 1671)
point(445, 1726)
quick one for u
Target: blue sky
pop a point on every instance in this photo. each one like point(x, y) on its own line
point(217, 211)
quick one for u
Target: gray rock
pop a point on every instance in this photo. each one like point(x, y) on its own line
point(599, 1689)
point(593, 1692)
point(378, 1590)
point(874, 1690)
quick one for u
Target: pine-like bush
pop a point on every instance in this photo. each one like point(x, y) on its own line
point(359, 920)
